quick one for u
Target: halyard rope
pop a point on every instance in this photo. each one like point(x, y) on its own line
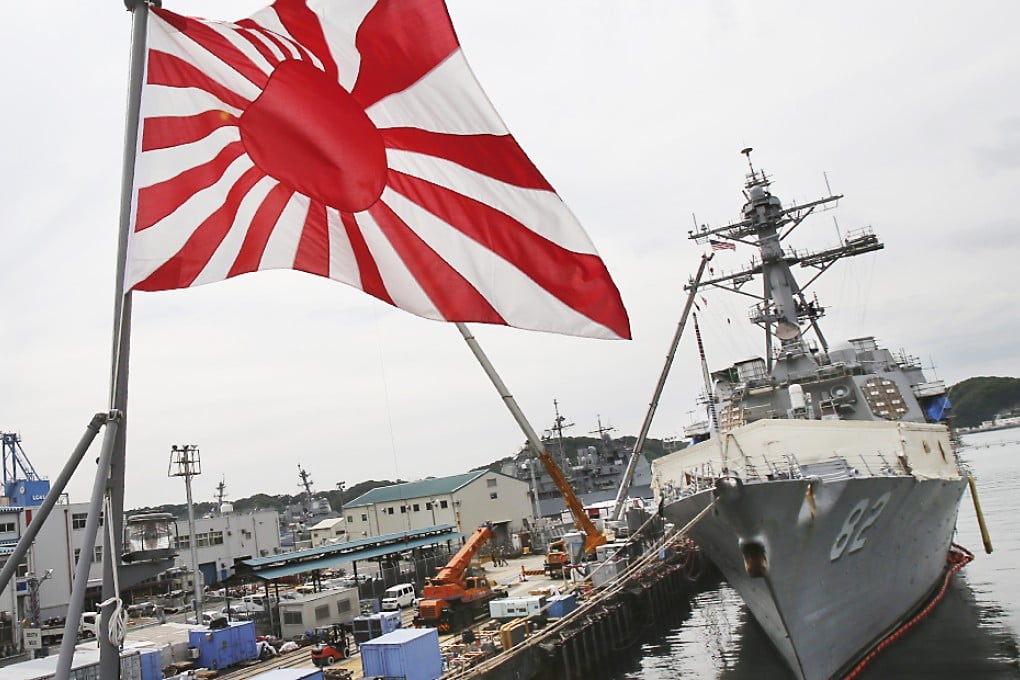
point(117, 630)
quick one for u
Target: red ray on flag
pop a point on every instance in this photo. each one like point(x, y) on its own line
point(352, 141)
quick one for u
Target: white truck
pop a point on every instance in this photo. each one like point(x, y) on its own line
point(53, 633)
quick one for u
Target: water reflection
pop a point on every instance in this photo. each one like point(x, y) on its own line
point(971, 634)
point(717, 638)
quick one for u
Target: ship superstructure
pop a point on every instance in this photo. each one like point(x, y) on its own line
point(833, 472)
point(594, 472)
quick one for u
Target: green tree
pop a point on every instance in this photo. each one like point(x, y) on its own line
point(976, 400)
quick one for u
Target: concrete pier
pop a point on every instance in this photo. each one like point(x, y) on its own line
point(661, 580)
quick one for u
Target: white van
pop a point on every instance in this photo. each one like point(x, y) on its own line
point(398, 597)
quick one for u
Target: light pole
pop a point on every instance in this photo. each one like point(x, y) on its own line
point(188, 463)
point(433, 503)
point(34, 615)
point(340, 487)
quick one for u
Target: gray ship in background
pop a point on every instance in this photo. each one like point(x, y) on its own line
point(833, 473)
point(595, 472)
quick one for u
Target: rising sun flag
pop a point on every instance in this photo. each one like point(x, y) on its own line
point(351, 140)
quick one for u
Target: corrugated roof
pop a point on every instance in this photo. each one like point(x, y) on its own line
point(348, 546)
point(323, 557)
point(326, 562)
point(423, 488)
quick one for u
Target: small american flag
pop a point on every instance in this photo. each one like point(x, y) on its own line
point(722, 245)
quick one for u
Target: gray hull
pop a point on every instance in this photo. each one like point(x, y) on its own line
point(837, 568)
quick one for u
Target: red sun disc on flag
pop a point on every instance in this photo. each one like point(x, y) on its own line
point(308, 132)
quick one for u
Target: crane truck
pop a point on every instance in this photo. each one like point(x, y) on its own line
point(556, 557)
point(455, 597)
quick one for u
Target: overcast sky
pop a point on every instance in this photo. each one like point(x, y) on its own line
point(636, 113)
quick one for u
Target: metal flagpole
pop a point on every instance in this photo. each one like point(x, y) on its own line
point(508, 399)
point(621, 493)
point(110, 471)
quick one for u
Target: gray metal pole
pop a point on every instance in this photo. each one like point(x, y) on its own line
point(113, 474)
point(508, 399)
point(25, 542)
point(81, 571)
point(194, 552)
point(621, 494)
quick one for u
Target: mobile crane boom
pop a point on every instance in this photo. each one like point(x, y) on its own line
point(592, 537)
point(453, 598)
point(454, 570)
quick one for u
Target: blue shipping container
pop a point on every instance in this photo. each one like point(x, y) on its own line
point(152, 664)
point(408, 653)
point(561, 605)
point(224, 647)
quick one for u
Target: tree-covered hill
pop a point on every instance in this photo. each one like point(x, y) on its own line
point(264, 501)
point(976, 400)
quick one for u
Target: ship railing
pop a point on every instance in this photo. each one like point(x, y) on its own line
point(866, 466)
point(787, 466)
point(794, 466)
point(830, 470)
point(886, 469)
point(773, 470)
point(905, 361)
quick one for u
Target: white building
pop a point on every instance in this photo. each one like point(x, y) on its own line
point(54, 554)
point(317, 610)
point(329, 530)
point(225, 539)
point(466, 501)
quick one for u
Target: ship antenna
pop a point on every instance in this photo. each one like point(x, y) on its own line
point(747, 152)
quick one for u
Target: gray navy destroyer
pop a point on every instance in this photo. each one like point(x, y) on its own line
point(833, 472)
point(595, 473)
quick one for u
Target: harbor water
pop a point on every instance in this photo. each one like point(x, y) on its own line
point(973, 633)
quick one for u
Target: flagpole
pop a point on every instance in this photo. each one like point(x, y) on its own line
point(581, 520)
point(508, 399)
point(110, 472)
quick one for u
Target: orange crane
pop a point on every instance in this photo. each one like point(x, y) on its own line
point(556, 558)
point(593, 538)
point(454, 598)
